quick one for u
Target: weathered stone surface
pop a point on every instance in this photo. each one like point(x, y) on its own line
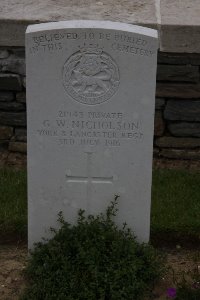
point(176, 38)
point(178, 58)
point(17, 147)
point(177, 142)
point(18, 52)
point(181, 154)
point(16, 160)
point(11, 106)
point(186, 110)
point(3, 145)
point(10, 82)
point(6, 132)
point(160, 103)
point(3, 158)
point(24, 81)
point(20, 134)
point(20, 131)
point(16, 15)
point(21, 97)
point(13, 160)
point(176, 164)
point(107, 149)
point(184, 129)
point(178, 21)
point(12, 31)
point(180, 26)
point(6, 96)
point(21, 138)
point(185, 73)
point(13, 119)
point(4, 53)
point(159, 124)
point(178, 90)
point(156, 151)
point(13, 64)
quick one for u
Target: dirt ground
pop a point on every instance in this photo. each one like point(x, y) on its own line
point(180, 263)
point(13, 261)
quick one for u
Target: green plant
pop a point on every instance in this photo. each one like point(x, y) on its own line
point(92, 260)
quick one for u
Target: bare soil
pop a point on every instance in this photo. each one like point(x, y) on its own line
point(12, 263)
point(180, 264)
point(13, 259)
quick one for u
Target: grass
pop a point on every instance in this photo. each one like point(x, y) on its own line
point(13, 202)
point(175, 202)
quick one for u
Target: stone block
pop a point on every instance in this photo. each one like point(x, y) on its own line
point(11, 106)
point(4, 53)
point(184, 129)
point(185, 73)
point(180, 26)
point(159, 124)
point(17, 147)
point(13, 31)
point(18, 52)
point(176, 38)
point(178, 90)
point(156, 151)
point(13, 118)
point(6, 132)
point(3, 158)
point(17, 14)
point(3, 145)
point(160, 103)
point(177, 142)
point(21, 135)
point(21, 97)
point(16, 160)
point(178, 58)
point(10, 82)
point(20, 131)
point(21, 138)
point(182, 110)
point(176, 164)
point(6, 96)
point(24, 81)
point(13, 65)
point(181, 154)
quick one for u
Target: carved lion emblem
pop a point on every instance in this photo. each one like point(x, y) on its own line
point(90, 76)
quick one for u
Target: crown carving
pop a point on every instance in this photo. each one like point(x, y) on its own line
point(91, 48)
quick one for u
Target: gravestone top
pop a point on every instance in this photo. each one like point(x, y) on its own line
point(90, 105)
point(92, 24)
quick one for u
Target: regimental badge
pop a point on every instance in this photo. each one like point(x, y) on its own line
point(90, 75)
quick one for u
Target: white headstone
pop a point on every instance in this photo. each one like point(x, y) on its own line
point(90, 95)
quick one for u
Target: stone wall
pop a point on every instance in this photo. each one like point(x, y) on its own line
point(12, 107)
point(177, 115)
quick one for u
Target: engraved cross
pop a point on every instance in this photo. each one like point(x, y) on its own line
point(88, 179)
